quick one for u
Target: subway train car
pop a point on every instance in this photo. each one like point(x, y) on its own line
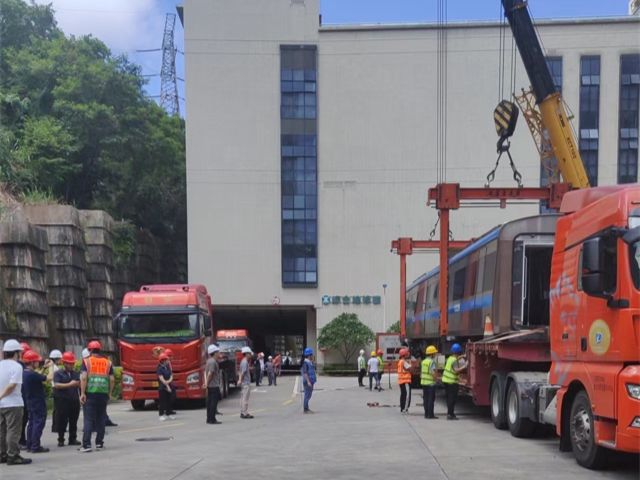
point(501, 280)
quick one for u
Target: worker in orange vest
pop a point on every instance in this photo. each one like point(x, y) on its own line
point(404, 380)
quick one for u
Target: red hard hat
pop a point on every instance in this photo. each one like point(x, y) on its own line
point(380, 352)
point(31, 356)
point(168, 352)
point(94, 345)
point(68, 357)
point(403, 352)
point(25, 346)
point(163, 356)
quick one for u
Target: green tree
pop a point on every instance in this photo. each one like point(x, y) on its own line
point(345, 333)
point(394, 328)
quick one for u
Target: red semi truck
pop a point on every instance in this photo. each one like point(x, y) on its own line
point(175, 317)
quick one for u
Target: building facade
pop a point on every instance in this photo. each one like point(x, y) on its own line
point(310, 148)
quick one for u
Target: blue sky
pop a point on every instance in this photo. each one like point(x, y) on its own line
point(130, 25)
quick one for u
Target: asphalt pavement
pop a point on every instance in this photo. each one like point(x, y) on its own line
point(344, 439)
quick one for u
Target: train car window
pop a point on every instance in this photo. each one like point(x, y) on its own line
point(473, 271)
point(435, 298)
point(458, 284)
point(489, 271)
point(480, 272)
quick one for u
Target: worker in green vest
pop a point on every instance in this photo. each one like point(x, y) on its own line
point(380, 367)
point(451, 379)
point(428, 380)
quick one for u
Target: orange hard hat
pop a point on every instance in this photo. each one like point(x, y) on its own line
point(163, 356)
point(380, 352)
point(94, 345)
point(31, 356)
point(25, 346)
point(403, 352)
point(68, 357)
point(168, 352)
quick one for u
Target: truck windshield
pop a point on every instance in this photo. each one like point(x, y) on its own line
point(634, 256)
point(231, 345)
point(174, 326)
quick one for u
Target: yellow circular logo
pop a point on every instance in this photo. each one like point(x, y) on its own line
point(599, 337)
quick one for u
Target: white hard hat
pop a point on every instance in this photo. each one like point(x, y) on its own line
point(213, 349)
point(12, 346)
point(86, 353)
point(270, 357)
point(246, 350)
point(361, 352)
point(55, 354)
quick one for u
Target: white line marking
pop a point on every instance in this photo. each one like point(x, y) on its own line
point(295, 387)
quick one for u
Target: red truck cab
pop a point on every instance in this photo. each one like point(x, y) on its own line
point(176, 317)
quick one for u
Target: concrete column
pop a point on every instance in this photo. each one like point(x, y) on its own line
point(312, 334)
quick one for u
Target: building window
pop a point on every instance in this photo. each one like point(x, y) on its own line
point(299, 165)
point(590, 115)
point(555, 68)
point(628, 137)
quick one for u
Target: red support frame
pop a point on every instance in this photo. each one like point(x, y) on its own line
point(447, 197)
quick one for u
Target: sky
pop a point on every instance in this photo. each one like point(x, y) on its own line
point(127, 26)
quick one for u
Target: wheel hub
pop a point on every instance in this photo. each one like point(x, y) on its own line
point(513, 408)
point(581, 429)
point(495, 403)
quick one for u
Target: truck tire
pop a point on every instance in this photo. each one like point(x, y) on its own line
point(587, 452)
point(138, 404)
point(520, 427)
point(497, 406)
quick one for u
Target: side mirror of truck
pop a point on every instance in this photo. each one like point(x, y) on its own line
point(593, 268)
point(632, 236)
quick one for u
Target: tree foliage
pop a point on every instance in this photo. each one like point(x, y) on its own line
point(75, 122)
point(394, 328)
point(347, 334)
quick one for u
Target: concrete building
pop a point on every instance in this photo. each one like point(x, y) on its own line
point(311, 147)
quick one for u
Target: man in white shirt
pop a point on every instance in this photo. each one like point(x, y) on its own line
point(372, 368)
point(11, 405)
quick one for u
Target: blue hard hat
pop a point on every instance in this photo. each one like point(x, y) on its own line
point(456, 348)
point(308, 351)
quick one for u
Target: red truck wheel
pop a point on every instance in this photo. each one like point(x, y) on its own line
point(519, 426)
point(587, 452)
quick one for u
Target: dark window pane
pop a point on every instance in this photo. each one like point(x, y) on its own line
point(299, 264)
point(298, 201)
point(287, 164)
point(286, 86)
point(286, 75)
point(287, 214)
point(287, 175)
point(287, 151)
point(299, 188)
point(311, 264)
point(299, 165)
point(298, 75)
point(310, 75)
point(310, 151)
point(310, 201)
point(310, 214)
point(309, 87)
point(287, 201)
point(310, 176)
point(310, 164)
point(298, 214)
point(309, 112)
point(299, 87)
point(309, 99)
point(299, 175)
point(288, 263)
point(300, 277)
point(288, 188)
point(310, 188)
point(298, 151)
point(287, 277)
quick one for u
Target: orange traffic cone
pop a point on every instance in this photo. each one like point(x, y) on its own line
point(488, 327)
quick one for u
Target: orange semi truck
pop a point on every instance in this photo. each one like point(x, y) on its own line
point(175, 317)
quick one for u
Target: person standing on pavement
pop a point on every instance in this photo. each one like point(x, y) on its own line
point(96, 386)
point(108, 422)
point(11, 405)
point(428, 380)
point(451, 379)
point(362, 368)
point(66, 392)
point(372, 369)
point(380, 368)
point(308, 378)
point(245, 383)
point(165, 377)
point(276, 364)
point(260, 368)
point(25, 417)
point(174, 394)
point(56, 357)
point(32, 381)
point(271, 372)
point(212, 384)
point(404, 380)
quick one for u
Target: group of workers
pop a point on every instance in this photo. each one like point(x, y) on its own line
point(374, 367)
point(23, 409)
point(271, 367)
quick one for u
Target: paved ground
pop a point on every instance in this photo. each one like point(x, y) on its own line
point(345, 439)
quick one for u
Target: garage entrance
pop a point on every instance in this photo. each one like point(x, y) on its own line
point(272, 330)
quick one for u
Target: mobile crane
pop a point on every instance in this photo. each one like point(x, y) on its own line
point(564, 350)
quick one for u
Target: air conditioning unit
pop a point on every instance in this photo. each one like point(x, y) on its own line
point(634, 7)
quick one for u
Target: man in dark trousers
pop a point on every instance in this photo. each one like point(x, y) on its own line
point(25, 417)
point(66, 391)
point(212, 384)
point(33, 383)
point(362, 368)
point(451, 379)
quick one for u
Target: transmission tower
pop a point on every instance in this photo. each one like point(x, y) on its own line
point(169, 99)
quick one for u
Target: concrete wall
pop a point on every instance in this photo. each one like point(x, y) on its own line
point(377, 142)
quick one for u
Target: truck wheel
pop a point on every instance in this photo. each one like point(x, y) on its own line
point(587, 452)
point(519, 426)
point(138, 404)
point(497, 406)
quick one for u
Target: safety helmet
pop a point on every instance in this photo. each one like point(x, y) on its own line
point(308, 351)
point(431, 350)
point(25, 346)
point(373, 354)
point(94, 345)
point(270, 357)
point(261, 354)
point(210, 350)
point(12, 346)
point(169, 352)
point(86, 353)
point(246, 350)
point(380, 352)
point(163, 356)
point(361, 352)
point(403, 352)
point(55, 354)
point(456, 348)
point(68, 357)
point(31, 356)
